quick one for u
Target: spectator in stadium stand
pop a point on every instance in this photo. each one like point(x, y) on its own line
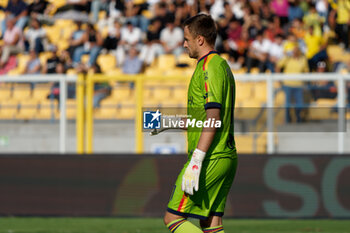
point(92, 45)
point(17, 9)
point(76, 39)
point(39, 9)
point(237, 8)
point(152, 46)
point(183, 11)
point(171, 38)
point(322, 9)
point(76, 5)
point(265, 15)
point(129, 36)
point(132, 64)
point(293, 89)
point(35, 37)
point(322, 89)
point(313, 19)
point(290, 43)
point(294, 10)
point(96, 7)
point(112, 39)
point(272, 31)
point(316, 48)
point(221, 39)
point(33, 65)
point(253, 25)
point(101, 89)
point(217, 9)
point(341, 15)
point(55, 88)
point(298, 29)
point(280, 8)
point(237, 50)
point(13, 41)
point(258, 52)
point(275, 53)
point(161, 13)
point(49, 67)
point(133, 14)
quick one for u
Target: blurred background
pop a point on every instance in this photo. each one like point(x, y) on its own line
point(76, 76)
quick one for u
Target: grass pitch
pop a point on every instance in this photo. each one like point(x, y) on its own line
point(155, 225)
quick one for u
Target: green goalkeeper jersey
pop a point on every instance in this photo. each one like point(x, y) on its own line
point(212, 86)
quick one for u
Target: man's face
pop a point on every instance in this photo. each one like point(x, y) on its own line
point(190, 44)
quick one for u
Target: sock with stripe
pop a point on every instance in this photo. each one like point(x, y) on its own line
point(214, 229)
point(183, 226)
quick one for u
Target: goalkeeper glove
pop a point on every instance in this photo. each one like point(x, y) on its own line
point(190, 179)
point(166, 119)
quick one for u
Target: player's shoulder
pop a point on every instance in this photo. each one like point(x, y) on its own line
point(215, 61)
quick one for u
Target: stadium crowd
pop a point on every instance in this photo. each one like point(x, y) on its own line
point(289, 36)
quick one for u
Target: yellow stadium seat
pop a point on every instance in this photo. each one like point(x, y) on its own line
point(22, 60)
point(166, 62)
point(43, 56)
point(107, 62)
point(259, 92)
point(41, 91)
point(27, 109)
point(115, 71)
point(162, 93)
point(121, 92)
point(21, 91)
point(48, 109)
point(58, 3)
point(71, 108)
point(180, 94)
point(53, 33)
point(106, 112)
point(321, 110)
point(8, 109)
point(126, 112)
point(3, 3)
point(5, 92)
point(335, 53)
point(185, 59)
point(71, 72)
point(85, 58)
point(250, 144)
point(243, 91)
point(153, 72)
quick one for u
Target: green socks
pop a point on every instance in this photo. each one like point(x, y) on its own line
point(183, 226)
point(214, 229)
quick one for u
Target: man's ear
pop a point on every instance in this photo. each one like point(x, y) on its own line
point(200, 40)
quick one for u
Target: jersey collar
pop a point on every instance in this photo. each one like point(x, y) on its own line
point(211, 52)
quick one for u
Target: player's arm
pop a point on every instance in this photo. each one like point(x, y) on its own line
point(207, 135)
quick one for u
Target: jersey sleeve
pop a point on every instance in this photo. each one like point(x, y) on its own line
point(214, 86)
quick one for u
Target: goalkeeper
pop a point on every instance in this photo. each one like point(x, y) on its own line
point(203, 184)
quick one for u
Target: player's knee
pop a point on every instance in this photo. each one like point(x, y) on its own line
point(168, 218)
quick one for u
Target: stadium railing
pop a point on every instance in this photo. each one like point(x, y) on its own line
point(270, 90)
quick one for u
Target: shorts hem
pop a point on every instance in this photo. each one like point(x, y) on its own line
point(218, 214)
point(187, 214)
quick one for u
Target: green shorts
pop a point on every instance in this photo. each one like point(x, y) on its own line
point(214, 185)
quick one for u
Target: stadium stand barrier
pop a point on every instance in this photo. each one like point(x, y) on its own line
point(254, 90)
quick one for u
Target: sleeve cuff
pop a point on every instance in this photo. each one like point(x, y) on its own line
point(212, 105)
